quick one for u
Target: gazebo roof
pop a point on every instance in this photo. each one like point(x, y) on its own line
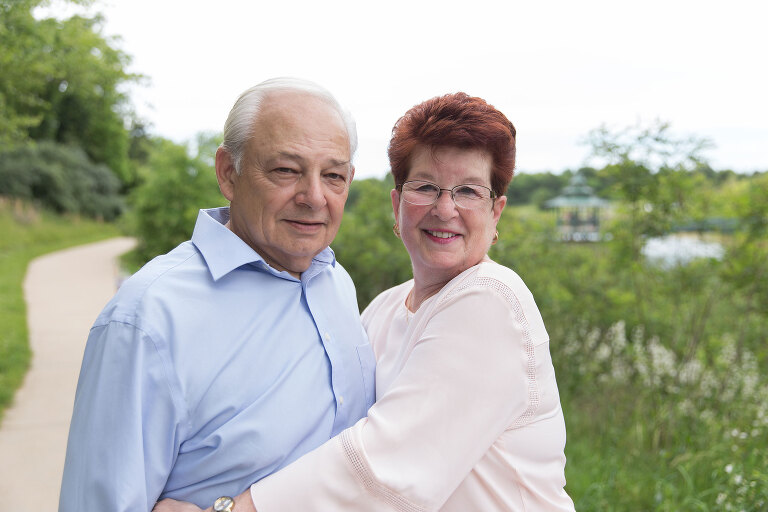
point(577, 194)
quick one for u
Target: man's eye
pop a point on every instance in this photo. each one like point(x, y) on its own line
point(336, 176)
point(285, 170)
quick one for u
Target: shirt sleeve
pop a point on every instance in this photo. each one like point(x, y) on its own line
point(125, 432)
point(465, 382)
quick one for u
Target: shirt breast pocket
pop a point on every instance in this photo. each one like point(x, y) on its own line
point(368, 369)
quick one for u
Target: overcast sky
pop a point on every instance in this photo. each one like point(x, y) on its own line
point(557, 69)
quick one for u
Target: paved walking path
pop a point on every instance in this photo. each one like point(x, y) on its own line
point(65, 291)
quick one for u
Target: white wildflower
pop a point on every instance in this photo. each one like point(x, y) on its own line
point(691, 372)
point(663, 359)
point(591, 340)
point(602, 353)
point(617, 336)
point(619, 370)
point(709, 385)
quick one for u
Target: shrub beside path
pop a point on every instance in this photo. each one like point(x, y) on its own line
point(64, 291)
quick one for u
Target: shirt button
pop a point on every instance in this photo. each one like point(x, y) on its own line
point(341, 400)
point(327, 337)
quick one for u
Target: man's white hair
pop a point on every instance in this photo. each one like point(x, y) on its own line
point(241, 119)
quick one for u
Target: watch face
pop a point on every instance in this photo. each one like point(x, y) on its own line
point(223, 504)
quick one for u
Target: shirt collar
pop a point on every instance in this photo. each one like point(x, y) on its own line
point(224, 251)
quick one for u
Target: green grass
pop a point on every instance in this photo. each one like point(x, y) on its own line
point(26, 233)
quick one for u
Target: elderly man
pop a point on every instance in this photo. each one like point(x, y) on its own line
point(241, 349)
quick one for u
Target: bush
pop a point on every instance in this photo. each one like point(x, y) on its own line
point(174, 187)
point(60, 178)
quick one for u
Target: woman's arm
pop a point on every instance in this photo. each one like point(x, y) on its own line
point(465, 382)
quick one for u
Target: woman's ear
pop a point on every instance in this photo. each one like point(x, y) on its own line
point(498, 207)
point(395, 195)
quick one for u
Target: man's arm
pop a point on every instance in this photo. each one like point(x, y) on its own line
point(125, 429)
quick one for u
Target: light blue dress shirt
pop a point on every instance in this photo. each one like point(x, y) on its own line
point(209, 370)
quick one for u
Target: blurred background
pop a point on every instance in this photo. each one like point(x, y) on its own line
point(638, 215)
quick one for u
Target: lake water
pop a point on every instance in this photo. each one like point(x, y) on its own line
point(678, 249)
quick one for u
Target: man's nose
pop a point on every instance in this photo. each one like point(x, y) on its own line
point(310, 191)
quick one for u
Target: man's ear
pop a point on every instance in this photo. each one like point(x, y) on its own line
point(225, 173)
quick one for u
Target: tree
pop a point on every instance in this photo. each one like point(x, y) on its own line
point(60, 81)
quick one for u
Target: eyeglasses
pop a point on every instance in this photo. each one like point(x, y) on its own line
point(424, 193)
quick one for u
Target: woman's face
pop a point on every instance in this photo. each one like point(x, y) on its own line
point(443, 239)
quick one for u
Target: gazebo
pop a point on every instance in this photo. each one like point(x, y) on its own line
point(578, 211)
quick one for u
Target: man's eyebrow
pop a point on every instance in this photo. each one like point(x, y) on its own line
point(334, 162)
point(292, 156)
point(338, 163)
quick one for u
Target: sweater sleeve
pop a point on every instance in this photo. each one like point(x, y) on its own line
point(466, 380)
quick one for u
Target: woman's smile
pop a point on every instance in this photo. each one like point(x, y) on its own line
point(441, 237)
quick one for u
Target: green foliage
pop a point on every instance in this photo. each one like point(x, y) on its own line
point(366, 245)
point(174, 187)
point(61, 81)
point(26, 233)
point(61, 178)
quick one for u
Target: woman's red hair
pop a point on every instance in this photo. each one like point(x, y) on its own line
point(455, 120)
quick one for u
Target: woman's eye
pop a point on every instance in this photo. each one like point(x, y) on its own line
point(427, 189)
point(466, 192)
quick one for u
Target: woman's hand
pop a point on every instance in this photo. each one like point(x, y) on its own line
point(169, 505)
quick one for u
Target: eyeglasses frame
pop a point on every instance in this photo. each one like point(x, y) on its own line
point(493, 197)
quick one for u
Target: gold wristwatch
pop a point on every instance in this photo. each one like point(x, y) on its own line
point(223, 504)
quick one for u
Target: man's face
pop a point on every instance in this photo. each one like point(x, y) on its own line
point(288, 201)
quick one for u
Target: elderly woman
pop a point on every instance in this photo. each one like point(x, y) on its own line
point(468, 415)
